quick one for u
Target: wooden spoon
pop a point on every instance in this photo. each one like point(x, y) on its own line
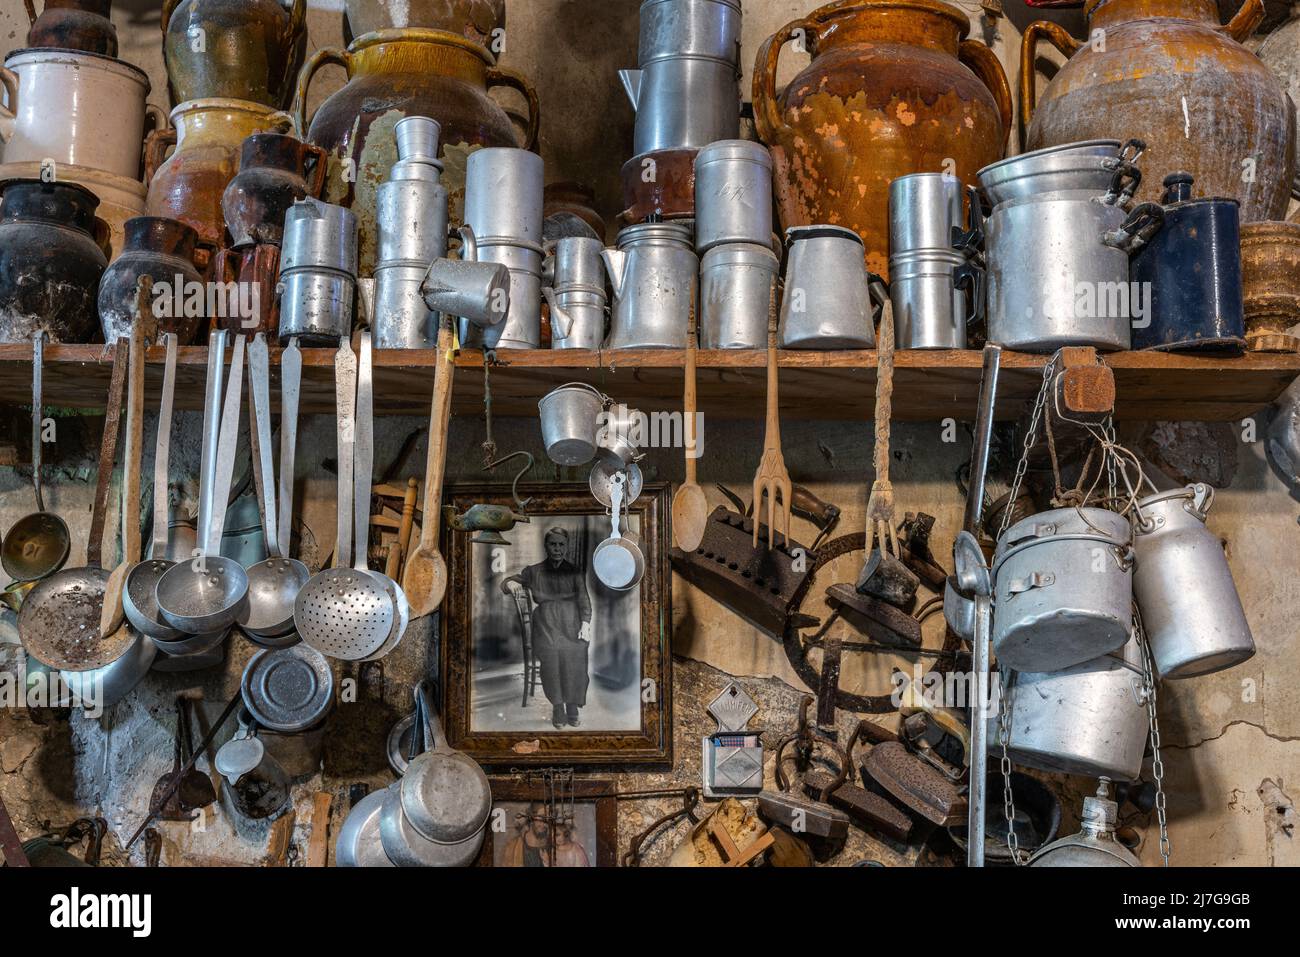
point(425, 579)
point(690, 506)
point(112, 616)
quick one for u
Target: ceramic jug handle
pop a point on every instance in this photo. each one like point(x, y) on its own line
point(1059, 38)
point(1241, 26)
point(8, 115)
point(767, 115)
point(513, 80)
point(169, 7)
point(318, 59)
point(31, 10)
point(155, 150)
point(319, 160)
point(297, 19)
point(984, 63)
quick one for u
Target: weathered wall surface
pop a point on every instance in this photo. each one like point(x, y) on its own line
point(1231, 759)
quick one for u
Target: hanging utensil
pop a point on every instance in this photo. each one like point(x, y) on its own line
point(273, 584)
point(690, 505)
point(772, 476)
point(206, 596)
point(618, 561)
point(37, 545)
point(425, 578)
point(342, 611)
point(972, 574)
point(194, 789)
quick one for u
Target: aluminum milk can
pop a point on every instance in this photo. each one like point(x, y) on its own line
point(733, 195)
point(318, 272)
point(1063, 589)
point(735, 288)
point(827, 302)
point(1088, 719)
point(1192, 267)
point(654, 273)
point(577, 294)
point(1190, 607)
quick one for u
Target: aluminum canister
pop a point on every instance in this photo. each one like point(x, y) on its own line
point(402, 318)
point(923, 209)
point(1090, 718)
point(827, 304)
point(1062, 589)
point(1192, 269)
point(522, 328)
point(318, 272)
point(503, 196)
point(1052, 279)
point(577, 295)
point(1184, 589)
point(929, 309)
point(735, 288)
point(654, 273)
point(733, 195)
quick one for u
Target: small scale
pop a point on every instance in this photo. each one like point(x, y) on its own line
point(733, 756)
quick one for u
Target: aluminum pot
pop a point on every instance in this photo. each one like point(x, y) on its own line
point(816, 314)
point(1063, 589)
point(735, 290)
point(925, 287)
point(1088, 719)
point(359, 844)
point(570, 418)
point(318, 272)
point(1190, 608)
point(923, 209)
point(733, 195)
point(1053, 279)
point(1088, 165)
point(106, 686)
point(654, 273)
point(79, 109)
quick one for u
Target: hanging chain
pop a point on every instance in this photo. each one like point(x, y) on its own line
point(1157, 764)
point(1004, 734)
point(489, 444)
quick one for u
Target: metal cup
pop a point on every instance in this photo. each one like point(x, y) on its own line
point(735, 289)
point(503, 195)
point(827, 303)
point(923, 209)
point(929, 309)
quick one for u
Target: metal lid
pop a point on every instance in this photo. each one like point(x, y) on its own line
point(746, 151)
point(797, 234)
point(660, 232)
point(288, 689)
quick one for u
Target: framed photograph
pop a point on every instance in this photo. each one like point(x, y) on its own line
point(544, 664)
point(572, 824)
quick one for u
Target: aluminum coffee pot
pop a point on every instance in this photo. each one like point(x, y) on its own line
point(654, 273)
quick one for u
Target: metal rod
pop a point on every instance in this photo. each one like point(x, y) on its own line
point(979, 757)
point(979, 462)
point(211, 418)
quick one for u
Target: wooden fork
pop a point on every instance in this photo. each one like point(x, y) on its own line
point(772, 476)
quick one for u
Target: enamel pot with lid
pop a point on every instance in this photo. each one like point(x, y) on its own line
point(1190, 608)
point(1063, 589)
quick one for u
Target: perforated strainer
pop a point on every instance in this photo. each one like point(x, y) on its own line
point(344, 612)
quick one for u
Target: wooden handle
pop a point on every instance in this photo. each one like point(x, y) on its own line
point(436, 466)
point(134, 432)
point(689, 401)
point(1059, 38)
point(107, 453)
point(772, 438)
point(884, 393)
point(398, 551)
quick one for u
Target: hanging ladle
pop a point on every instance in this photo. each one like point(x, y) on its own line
point(38, 544)
point(113, 615)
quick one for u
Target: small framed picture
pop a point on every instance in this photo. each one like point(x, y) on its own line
point(543, 662)
point(566, 824)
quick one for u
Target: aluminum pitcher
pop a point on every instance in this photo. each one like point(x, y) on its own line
point(654, 273)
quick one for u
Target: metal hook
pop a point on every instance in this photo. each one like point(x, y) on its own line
point(520, 503)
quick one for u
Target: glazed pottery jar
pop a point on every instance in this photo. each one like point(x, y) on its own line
point(275, 171)
point(249, 49)
point(209, 136)
point(50, 261)
point(73, 25)
point(393, 74)
point(473, 19)
point(162, 249)
point(120, 198)
point(1200, 100)
point(893, 88)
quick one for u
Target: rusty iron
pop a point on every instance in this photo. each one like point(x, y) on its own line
point(690, 800)
point(1084, 388)
point(816, 817)
point(1270, 275)
point(917, 785)
point(867, 808)
point(659, 183)
point(1163, 61)
point(894, 88)
point(83, 25)
point(10, 845)
point(879, 619)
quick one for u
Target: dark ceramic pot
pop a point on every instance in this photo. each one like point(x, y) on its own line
point(275, 171)
point(82, 25)
point(162, 249)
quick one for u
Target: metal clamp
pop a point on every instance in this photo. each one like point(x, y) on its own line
point(1034, 580)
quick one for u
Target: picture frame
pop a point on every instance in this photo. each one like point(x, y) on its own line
point(593, 830)
point(501, 712)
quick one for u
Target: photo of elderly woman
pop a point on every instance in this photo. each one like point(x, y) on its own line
point(554, 649)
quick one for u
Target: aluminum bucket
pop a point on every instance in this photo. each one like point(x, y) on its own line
point(929, 309)
point(570, 418)
point(817, 313)
point(735, 288)
point(1190, 608)
point(1062, 589)
point(733, 195)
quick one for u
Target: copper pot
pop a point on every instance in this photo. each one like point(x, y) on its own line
point(73, 25)
point(1200, 100)
point(275, 171)
point(893, 88)
point(1270, 278)
point(393, 74)
point(253, 49)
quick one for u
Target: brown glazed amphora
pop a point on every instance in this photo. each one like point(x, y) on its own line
point(893, 88)
point(393, 74)
point(164, 250)
point(51, 261)
point(1167, 72)
point(82, 25)
point(234, 49)
point(275, 171)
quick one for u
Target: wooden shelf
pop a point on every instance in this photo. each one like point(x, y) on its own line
point(928, 386)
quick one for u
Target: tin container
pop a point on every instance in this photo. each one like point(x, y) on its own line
point(1068, 167)
point(929, 310)
point(654, 273)
point(1189, 603)
point(522, 328)
point(923, 209)
point(503, 196)
point(815, 313)
point(735, 286)
point(579, 304)
point(1063, 589)
point(570, 419)
point(403, 320)
point(318, 272)
point(733, 195)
